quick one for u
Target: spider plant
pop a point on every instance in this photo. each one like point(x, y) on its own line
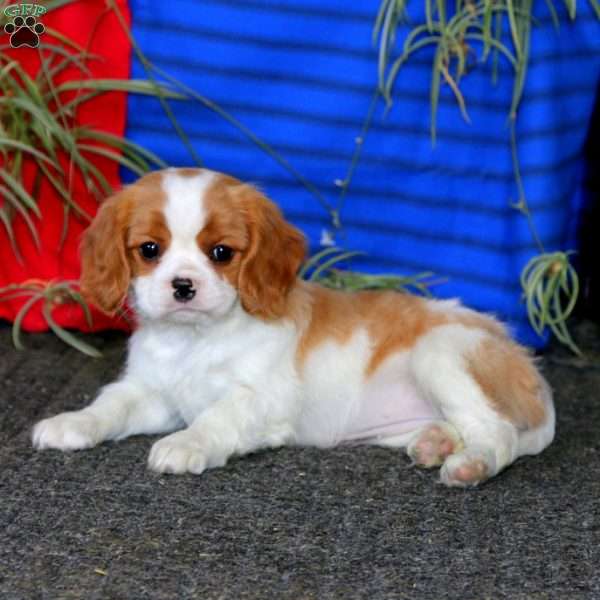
point(37, 124)
point(39, 129)
point(549, 281)
point(456, 33)
point(50, 294)
point(551, 287)
point(321, 268)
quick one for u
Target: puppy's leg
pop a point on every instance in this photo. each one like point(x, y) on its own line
point(122, 409)
point(488, 389)
point(243, 422)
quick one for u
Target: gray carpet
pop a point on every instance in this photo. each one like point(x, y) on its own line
point(291, 523)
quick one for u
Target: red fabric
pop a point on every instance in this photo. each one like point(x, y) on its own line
point(91, 25)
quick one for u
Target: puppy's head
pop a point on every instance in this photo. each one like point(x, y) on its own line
point(188, 244)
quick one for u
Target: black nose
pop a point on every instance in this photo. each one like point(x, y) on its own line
point(184, 289)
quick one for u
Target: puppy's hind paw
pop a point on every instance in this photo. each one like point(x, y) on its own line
point(68, 431)
point(465, 469)
point(433, 444)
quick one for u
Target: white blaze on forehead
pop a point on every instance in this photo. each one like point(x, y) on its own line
point(184, 210)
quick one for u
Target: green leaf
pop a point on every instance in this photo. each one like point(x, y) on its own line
point(84, 305)
point(67, 336)
point(332, 261)
point(436, 77)
point(510, 9)
point(125, 144)
point(596, 6)
point(495, 44)
point(54, 4)
point(429, 15)
point(69, 107)
point(61, 38)
point(486, 27)
point(561, 332)
point(6, 69)
point(10, 233)
point(571, 8)
point(20, 192)
point(384, 46)
point(31, 90)
point(64, 193)
point(16, 328)
point(383, 6)
point(114, 156)
point(441, 10)
point(409, 49)
point(553, 15)
point(16, 204)
point(41, 117)
point(134, 86)
point(8, 143)
point(78, 59)
point(316, 259)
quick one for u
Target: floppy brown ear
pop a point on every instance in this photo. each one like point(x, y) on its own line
point(275, 253)
point(105, 271)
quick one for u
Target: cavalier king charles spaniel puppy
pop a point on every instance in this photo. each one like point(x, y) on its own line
point(233, 353)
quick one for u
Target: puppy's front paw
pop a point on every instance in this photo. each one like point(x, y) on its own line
point(68, 431)
point(177, 453)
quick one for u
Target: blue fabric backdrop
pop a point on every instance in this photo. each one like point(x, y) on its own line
point(301, 74)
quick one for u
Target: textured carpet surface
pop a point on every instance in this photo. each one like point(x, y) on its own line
point(293, 523)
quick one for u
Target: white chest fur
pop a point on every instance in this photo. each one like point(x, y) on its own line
point(192, 368)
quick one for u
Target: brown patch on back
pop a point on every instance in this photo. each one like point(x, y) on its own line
point(396, 322)
point(393, 321)
point(507, 376)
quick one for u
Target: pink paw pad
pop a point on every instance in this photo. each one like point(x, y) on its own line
point(472, 472)
point(462, 471)
point(434, 445)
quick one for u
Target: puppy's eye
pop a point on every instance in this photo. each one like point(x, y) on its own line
point(220, 253)
point(150, 250)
